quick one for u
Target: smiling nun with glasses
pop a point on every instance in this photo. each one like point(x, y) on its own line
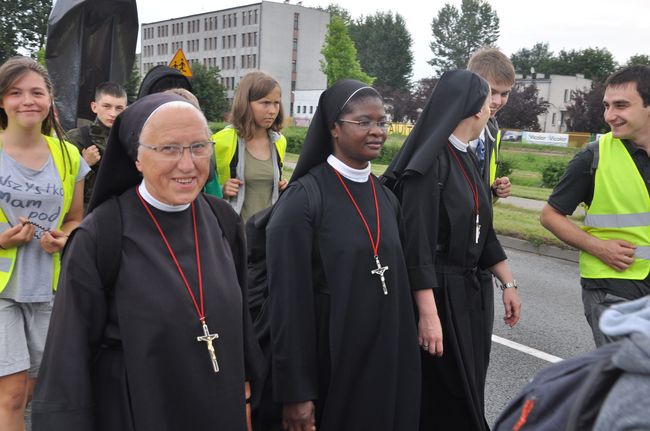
point(344, 342)
point(165, 340)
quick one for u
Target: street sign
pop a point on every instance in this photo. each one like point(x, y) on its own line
point(180, 63)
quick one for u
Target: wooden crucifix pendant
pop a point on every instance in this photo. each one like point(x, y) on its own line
point(207, 337)
point(380, 272)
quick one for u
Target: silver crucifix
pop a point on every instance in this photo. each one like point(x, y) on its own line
point(380, 272)
point(208, 337)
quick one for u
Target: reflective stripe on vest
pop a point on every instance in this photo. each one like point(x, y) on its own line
point(642, 252)
point(617, 220)
point(620, 209)
point(67, 167)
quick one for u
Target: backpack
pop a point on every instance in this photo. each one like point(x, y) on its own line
point(564, 396)
point(394, 183)
point(256, 251)
point(267, 414)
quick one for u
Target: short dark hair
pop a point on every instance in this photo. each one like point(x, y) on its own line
point(640, 75)
point(109, 88)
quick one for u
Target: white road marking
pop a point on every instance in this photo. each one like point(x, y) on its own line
point(529, 350)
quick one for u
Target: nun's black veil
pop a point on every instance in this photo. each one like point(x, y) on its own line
point(117, 172)
point(318, 142)
point(459, 94)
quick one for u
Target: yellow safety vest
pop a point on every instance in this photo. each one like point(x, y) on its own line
point(8, 257)
point(225, 145)
point(620, 209)
point(494, 158)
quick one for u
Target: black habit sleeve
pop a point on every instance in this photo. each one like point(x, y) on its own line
point(492, 252)
point(63, 398)
point(293, 317)
point(420, 213)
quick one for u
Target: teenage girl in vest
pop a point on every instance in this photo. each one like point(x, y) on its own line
point(250, 151)
point(41, 202)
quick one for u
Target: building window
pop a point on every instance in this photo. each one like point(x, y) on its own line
point(234, 41)
point(254, 61)
point(296, 18)
point(295, 44)
point(255, 38)
point(567, 95)
point(553, 119)
point(311, 109)
point(255, 16)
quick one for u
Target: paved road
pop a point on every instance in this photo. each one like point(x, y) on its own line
point(552, 322)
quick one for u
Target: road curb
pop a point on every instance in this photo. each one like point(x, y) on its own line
point(544, 250)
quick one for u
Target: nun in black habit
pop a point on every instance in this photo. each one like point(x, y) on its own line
point(344, 341)
point(129, 342)
point(449, 235)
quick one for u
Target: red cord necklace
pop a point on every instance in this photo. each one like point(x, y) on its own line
point(474, 188)
point(207, 337)
point(379, 271)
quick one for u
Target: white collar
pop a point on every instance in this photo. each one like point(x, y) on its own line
point(157, 204)
point(352, 174)
point(460, 145)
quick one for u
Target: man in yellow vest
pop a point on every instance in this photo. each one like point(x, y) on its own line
point(612, 177)
point(496, 68)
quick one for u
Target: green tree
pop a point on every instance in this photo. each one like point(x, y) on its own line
point(338, 10)
point(421, 93)
point(457, 34)
point(639, 59)
point(537, 57)
point(23, 24)
point(594, 63)
point(340, 55)
point(384, 48)
point(585, 114)
point(133, 85)
point(523, 109)
point(206, 86)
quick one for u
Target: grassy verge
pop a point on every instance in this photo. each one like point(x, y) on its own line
point(524, 224)
point(530, 192)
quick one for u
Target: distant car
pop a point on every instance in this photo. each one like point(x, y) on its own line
point(511, 136)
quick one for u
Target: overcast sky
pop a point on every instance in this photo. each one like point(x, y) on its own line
point(621, 26)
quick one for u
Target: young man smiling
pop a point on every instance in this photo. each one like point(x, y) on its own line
point(496, 68)
point(612, 177)
point(110, 100)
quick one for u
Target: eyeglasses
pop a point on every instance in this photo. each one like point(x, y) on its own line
point(173, 152)
point(368, 125)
